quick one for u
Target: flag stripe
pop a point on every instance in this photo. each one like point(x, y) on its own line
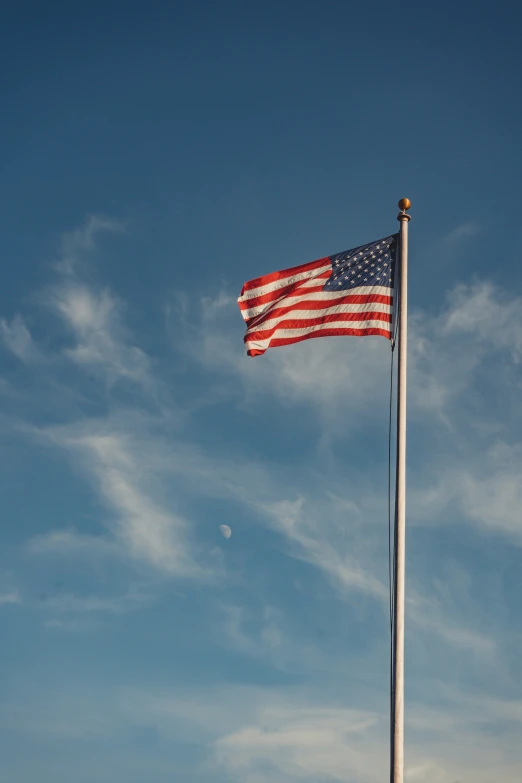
point(351, 293)
point(306, 318)
point(317, 293)
point(294, 271)
point(292, 324)
point(314, 283)
point(305, 307)
point(275, 286)
point(257, 348)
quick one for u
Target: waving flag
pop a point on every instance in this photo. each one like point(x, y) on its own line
point(351, 293)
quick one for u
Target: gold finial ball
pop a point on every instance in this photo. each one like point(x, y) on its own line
point(404, 204)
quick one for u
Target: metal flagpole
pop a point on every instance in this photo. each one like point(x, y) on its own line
point(397, 716)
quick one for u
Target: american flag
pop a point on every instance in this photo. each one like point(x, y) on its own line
point(348, 293)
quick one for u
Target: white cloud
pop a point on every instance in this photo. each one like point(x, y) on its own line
point(140, 469)
point(17, 338)
point(70, 542)
point(490, 315)
point(469, 228)
point(10, 597)
point(346, 381)
point(324, 373)
point(352, 564)
point(76, 242)
point(339, 533)
point(450, 625)
point(286, 735)
point(117, 454)
point(118, 465)
point(338, 530)
point(268, 633)
point(92, 315)
point(292, 740)
point(68, 603)
point(265, 634)
point(314, 541)
point(305, 743)
point(129, 461)
point(94, 318)
point(490, 492)
point(479, 328)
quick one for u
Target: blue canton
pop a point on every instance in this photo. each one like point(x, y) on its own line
point(368, 265)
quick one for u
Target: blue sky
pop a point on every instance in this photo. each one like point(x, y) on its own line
point(156, 156)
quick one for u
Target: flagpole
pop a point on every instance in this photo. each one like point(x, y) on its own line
point(397, 716)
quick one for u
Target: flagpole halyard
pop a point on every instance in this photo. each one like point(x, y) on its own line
point(397, 716)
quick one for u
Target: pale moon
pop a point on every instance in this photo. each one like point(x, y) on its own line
point(225, 531)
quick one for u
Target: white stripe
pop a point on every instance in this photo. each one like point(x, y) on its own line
point(380, 290)
point(273, 303)
point(289, 333)
point(311, 283)
point(282, 282)
point(294, 315)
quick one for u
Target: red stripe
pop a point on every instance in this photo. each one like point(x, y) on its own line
point(303, 323)
point(273, 276)
point(319, 304)
point(293, 289)
point(277, 342)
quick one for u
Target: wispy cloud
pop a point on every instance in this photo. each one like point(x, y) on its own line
point(116, 453)
point(70, 542)
point(488, 490)
point(295, 739)
point(10, 597)
point(268, 638)
point(75, 243)
point(117, 464)
point(265, 634)
point(333, 371)
point(121, 467)
point(305, 743)
point(486, 313)
point(469, 228)
point(346, 381)
point(313, 541)
point(266, 734)
point(17, 338)
point(92, 315)
point(94, 319)
point(450, 625)
point(68, 603)
point(147, 477)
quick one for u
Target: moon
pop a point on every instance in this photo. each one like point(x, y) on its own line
point(225, 531)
